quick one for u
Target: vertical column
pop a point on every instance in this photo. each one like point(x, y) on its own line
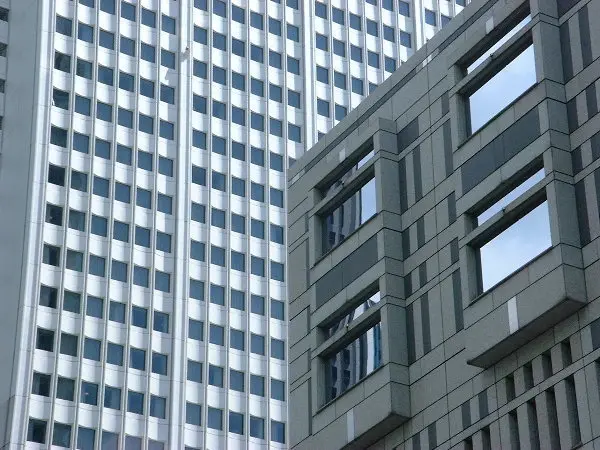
point(547, 420)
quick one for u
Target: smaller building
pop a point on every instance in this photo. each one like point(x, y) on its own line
point(443, 245)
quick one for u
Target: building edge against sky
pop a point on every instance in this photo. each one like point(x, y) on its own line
point(144, 147)
point(463, 312)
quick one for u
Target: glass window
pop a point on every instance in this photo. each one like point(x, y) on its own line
point(62, 62)
point(94, 307)
point(145, 160)
point(236, 422)
point(69, 344)
point(238, 186)
point(163, 242)
point(126, 81)
point(257, 344)
point(193, 414)
point(135, 403)
point(238, 261)
point(146, 87)
point(293, 65)
point(194, 371)
point(257, 427)
point(148, 52)
point(116, 312)
point(277, 309)
point(337, 15)
point(72, 302)
point(86, 438)
point(355, 22)
point(257, 228)
point(373, 59)
point(148, 18)
point(127, 46)
point(195, 330)
point(167, 94)
point(257, 266)
point(217, 334)
point(257, 192)
point(277, 431)
point(58, 136)
point(215, 418)
point(390, 64)
point(124, 154)
point(128, 11)
point(89, 393)
point(97, 266)
point(162, 281)
point(158, 408)
point(198, 213)
point(92, 349)
point(257, 385)
point(64, 26)
point(340, 112)
point(277, 349)
point(236, 380)
point(143, 198)
point(238, 150)
point(368, 344)
point(430, 17)
point(274, 26)
point(161, 322)
point(85, 33)
point(219, 110)
point(238, 14)
point(256, 20)
point(277, 389)
point(168, 24)
point(219, 181)
point(238, 81)
point(198, 251)
point(165, 203)
point(321, 10)
point(217, 294)
point(403, 8)
point(106, 39)
point(159, 363)
point(74, 260)
point(112, 397)
point(110, 440)
point(139, 317)
point(137, 358)
point(215, 375)
point(238, 223)
point(293, 33)
point(238, 300)
point(372, 28)
point(257, 304)
point(61, 437)
point(41, 384)
point(65, 389)
point(167, 58)
point(275, 59)
point(238, 47)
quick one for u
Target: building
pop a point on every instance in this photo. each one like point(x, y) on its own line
point(444, 243)
point(144, 147)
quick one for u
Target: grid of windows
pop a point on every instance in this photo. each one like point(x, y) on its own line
point(126, 194)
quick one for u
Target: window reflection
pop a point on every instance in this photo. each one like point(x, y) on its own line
point(355, 313)
point(354, 362)
point(516, 246)
point(350, 215)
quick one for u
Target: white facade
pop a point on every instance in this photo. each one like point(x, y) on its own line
point(142, 179)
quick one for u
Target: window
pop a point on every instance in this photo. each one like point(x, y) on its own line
point(219, 110)
point(89, 393)
point(194, 371)
point(321, 10)
point(373, 59)
point(97, 266)
point(54, 214)
point(403, 8)
point(340, 112)
point(372, 28)
point(219, 8)
point(322, 74)
point(99, 225)
point(339, 48)
point(62, 62)
point(219, 181)
point(195, 330)
point(445, 20)
point(356, 53)
point(106, 39)
point(276, 197)
point(339, 80)
point(95, 307)
point(48, 296)
point(257, 427)
point(58, 136)
point(236, 380)
point(133, 442)
point(257, 304)
point(193, 414)
point(257, 344)
point(74, 260)
point(365, 196)
point(238, 186)
point(513, 77)
point(69, 344)
point(128, 11)
point(257, 266)
point(523, 239)
point(277, 431)
point(64, 26)
point(238, 300)
point(215, 418)
point(256, 53)
point(65, 389)
point(86, 438)
point(322, 42)
point(92, 349)
point(217, 334)
point(36, 431)
point(430, 17)
point(60, 99)
point(148, 18)
point(76, 220)
point(275, 59)
point(127, 46)
point(355, 22)
point(109, 440)
point(137, 358)
point(158, 408)
point(257, 192)
point(112, 397)
point(167, 94)
point(163, 242)
point(114, 353)
point(293, 98)
point(61, 437)
point(143, 198)
point(238, 223)
point(167, 58)
point(215, 375)
point(257, 385)
point(85, 33)
point(71, 302)
point(256, 20)
point(236, 422)
point(238, 14)
point(198, 213)
point(238, 115)
point(164, 203)
point(337, 15)
point(148, 52)
point(168, 24)
point(41, 384)
point(389, 34)
point(159, 363)
point(161, 322)
point(236, 339)
point(238, 150)
point(405, 39)
point(238, 47)
point(116, 312)
point(238, 81)
point(277, 389)
point(135, 402)
point(217, 294)
point(198, 251)
point(277, 349)
point(162, 281)
point(139, 317)
point(293, 33)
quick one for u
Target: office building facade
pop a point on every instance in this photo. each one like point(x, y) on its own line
point(142, 189)
point(444, 240)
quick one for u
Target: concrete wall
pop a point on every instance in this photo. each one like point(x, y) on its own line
point(517, 366)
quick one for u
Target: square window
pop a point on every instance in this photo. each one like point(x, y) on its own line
point(97, 266)
point(257, 344)
point(148, 52)
point(141, 276)
point(135, 403)
point(127, 46)
point(41, 384)
point(236, 380)
point(238, 186)
point(256, 53)
point(217, 294)
point(137, 358)
point(355, 22)
point(65, 389)
point(159, 363)
point(215, 418)
point(116, 312)
point(164, 203)
point(193, 414)
point(139, 317)
point(69, 344)
point(238, 223)
point(72, 302)
point(293, 98)
point(277, 389)
point(161, 322)
point(114, 352)
point(197, 289)
point(92, 349)
point(238, 151)
point(195, 330)
point(337, 15)
point(277, 431)
point(194, 371)
point(112, 397)
point(89, 393)
point(198, 251)
point(257, 385)
point(168, 24)
point(94, 307)
point(163, 242)
point(238, 300)
point(215, 375)
point(217, 334)
point(430, 17)
point(238, 81)
point(219, 181)
point(257, 427)
point(275, 59)
point(257, 266)
point(61, 436)
point(293, 33)
point(158, 408)
point(167, 58)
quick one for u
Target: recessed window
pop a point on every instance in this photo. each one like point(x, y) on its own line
point(114, 354)
point(514, 247)
point(137, 358)
point(215, 375)
point(238, 300)
point(194, 371)
point(334, 228)
point(216, 334)
point(65, 389)
point(76, 220)
point(257, 344)
point(135, 402)
point(236, 380)
point(69, 344)
point(112, 397)
point(277, 431)
point(159, 363)
point(277, 389)
point(512, 77)
point(215, 418)
point(41, 384)
point(257, 427)
point(257, 385)
point(195, 330)
point(368, 345)
point(193, 414)
point(430, 17)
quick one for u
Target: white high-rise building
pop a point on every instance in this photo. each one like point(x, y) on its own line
point(144, 146)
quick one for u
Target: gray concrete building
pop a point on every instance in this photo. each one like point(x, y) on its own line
point(444, 245)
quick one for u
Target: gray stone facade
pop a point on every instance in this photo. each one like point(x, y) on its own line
point(395, 342)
